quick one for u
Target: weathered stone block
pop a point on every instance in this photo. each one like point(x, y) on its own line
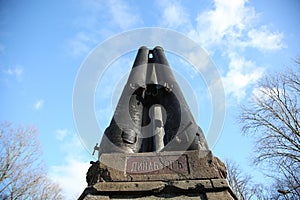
point(172, 175)
point(184, 189)
point(159, 166)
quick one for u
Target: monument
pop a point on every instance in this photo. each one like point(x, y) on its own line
point(153, 147)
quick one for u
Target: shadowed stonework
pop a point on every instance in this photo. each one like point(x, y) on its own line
point(153, 148)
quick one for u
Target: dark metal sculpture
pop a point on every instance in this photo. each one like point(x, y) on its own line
point(152, 114)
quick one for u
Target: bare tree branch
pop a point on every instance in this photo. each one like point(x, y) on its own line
point(22, 175)
point(272, 119)
point(242, 185)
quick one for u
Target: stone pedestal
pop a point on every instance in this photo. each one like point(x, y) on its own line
point(163, 175)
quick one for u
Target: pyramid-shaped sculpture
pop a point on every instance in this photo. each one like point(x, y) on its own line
point(153, 147)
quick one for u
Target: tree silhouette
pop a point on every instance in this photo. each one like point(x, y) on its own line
point(272, 119)
point(22, 175)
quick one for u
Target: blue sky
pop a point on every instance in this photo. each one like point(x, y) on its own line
point(44, 43)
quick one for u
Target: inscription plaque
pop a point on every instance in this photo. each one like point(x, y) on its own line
point(169, 164)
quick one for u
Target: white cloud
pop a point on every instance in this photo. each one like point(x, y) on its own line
point(173, 14)
point(71, 174)
point(226, 21)
point(122, 14)
point(242, 73)
point(70, 177)
point(263, 39)
point(232, 24)
point(16, 72)
point(39, 104)
point(60, 134)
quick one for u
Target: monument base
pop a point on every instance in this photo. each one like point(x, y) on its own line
point(163, 175)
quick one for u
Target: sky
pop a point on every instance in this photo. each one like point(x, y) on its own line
point(43, 45)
